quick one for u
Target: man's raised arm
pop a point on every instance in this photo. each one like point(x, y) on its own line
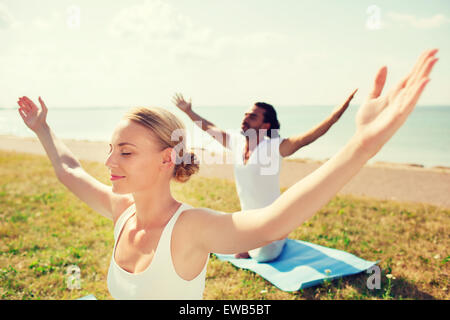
point(292, 144)
point(221, 136)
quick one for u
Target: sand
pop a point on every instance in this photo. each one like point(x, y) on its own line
point(386, 181)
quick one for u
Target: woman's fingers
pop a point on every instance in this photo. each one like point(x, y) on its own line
point(415, 95)
point(28, 106)
point(22, 113)
point(419, 62)
point(380, 80)
point(398, 87)
point(420, 65)
point(43, 106)
point(417, 65)
point(23, 109)
point(417, 89)
point(426, 70)
point(31, 104)
point(417, 86)
point(24, 104)
point(422, 69)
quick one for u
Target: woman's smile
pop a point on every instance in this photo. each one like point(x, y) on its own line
point(113, 177)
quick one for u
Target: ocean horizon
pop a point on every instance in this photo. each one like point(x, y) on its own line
point(424, 139)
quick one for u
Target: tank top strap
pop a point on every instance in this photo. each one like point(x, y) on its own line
point(164, 242)
point(122, 219)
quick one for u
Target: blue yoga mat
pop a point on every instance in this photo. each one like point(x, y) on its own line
point(303, 264)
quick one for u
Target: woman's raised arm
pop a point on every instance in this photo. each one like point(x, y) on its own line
point(376, 122)
point(67, 168)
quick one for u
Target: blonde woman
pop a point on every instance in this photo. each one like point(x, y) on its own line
point(162, 246)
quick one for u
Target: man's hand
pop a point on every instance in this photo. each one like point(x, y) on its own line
point(179, 101)
point(338, 111)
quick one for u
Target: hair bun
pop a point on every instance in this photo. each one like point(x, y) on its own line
point(188, 166)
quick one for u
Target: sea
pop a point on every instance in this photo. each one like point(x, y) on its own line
point(423, 140)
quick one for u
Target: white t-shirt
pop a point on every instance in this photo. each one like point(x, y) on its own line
point(257, 181)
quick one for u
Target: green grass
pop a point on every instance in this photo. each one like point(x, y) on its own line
point(44, 229)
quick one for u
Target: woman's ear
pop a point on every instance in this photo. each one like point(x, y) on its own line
point(167, 157)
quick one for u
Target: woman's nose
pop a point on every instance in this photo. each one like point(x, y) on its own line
point(110, 161)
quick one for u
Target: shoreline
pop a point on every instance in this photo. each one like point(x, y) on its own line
point(212, 154)
point(376, 164)
point(382, 180)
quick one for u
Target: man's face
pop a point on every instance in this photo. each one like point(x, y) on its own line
point(254, 119)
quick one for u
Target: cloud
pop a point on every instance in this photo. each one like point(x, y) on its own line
point(49, 22)
point(7, 20)
point(413, 21)
point(154, 20)
point(163, 31)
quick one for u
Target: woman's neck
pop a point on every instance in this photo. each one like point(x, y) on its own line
point(154, 207)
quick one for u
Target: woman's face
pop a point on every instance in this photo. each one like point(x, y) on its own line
point(135, 160)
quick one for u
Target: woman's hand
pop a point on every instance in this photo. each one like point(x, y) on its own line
point(182, 104)
point(381, 116)
point(35, 118)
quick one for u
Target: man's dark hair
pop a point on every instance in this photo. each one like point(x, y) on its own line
point(270, 116)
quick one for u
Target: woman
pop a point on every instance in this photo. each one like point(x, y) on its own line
point(162, 246)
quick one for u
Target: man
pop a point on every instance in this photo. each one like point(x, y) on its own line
point(257, 152)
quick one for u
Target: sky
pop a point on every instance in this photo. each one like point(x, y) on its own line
point(220, 53)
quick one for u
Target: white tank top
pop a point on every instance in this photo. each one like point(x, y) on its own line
point(257, 181)
point(159, 281)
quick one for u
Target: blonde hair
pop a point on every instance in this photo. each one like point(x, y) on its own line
point(165, 126)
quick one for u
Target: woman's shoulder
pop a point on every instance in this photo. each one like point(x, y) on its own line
point(189, 209)
point(192, 223)
point(197, 216)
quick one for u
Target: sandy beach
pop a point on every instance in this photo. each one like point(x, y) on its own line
point(387, 181)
